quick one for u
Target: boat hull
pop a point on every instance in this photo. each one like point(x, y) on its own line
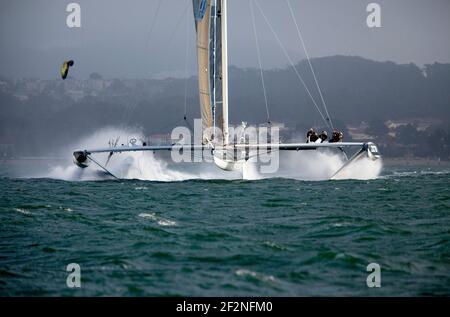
point(228, 165)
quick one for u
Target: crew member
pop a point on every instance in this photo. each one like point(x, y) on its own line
point(311, 136)
point(323, 136)
point(337, 136)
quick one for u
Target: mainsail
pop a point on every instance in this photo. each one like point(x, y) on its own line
point(211, 56)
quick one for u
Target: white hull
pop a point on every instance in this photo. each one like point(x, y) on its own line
point(228, 165)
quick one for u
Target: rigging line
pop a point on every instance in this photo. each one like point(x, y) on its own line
point(259, 60)
point(291, 62)
point(186, 58)
point(102, 167)
point(150, 31)
point(169, 125)
point(309, 61)
point(128, 112)
point(124, 119)
point(188, 125)
point(179, 20)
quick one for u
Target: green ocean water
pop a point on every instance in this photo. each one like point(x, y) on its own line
point(273, 237)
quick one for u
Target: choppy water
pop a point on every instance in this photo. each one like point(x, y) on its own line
point(273, 237)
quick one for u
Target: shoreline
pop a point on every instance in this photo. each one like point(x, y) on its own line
point(410, 161)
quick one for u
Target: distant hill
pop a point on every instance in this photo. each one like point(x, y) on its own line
point(355, 89)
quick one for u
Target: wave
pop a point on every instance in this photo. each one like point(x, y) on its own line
point(23, 211)
point(414, 173)
point(159, 220)
point(255, 275)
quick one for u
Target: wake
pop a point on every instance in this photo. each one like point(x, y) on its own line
point(308, 165)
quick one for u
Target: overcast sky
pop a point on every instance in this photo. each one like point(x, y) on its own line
point(115, 38)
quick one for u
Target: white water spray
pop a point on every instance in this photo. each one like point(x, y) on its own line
point(130, 165)
point(321, 165)
point(308, 165)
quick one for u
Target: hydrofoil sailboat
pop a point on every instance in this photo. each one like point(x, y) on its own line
point(230, 151)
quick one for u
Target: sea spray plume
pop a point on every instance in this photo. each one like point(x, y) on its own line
point(321, 165)
point(362, 169)
point(125, 165)
point(250, 171)
point(144, 166)
point(129, 165)
point(308, 165)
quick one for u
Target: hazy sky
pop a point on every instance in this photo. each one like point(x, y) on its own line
point(115, 38)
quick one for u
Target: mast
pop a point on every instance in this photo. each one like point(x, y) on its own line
point(214, 64)
point(224, 31)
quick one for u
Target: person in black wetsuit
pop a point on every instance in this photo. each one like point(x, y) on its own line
point(323, 136)
point(337, 136)
point(311, 136)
